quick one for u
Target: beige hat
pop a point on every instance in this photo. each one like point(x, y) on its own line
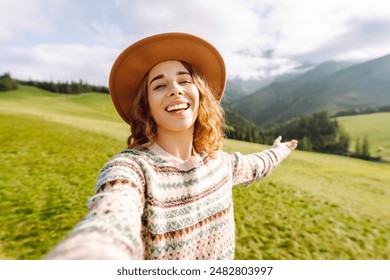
point(135, 61)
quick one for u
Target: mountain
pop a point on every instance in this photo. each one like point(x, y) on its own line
point(238, 88)
point(331, 86)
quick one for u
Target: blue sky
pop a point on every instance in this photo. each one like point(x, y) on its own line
point(65, 40)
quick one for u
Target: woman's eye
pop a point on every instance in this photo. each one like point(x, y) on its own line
point(159, 86)
point(185, 82)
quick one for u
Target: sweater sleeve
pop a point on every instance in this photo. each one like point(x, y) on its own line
point(248, 168)
point(112, 228)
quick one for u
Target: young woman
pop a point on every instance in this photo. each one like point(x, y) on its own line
point(169, 196)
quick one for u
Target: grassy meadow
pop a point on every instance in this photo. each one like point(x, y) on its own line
point(313, 206)
point(375, 127)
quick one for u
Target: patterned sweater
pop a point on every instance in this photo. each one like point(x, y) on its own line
point(151, 205)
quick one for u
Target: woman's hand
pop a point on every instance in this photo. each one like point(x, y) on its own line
point(287, 146)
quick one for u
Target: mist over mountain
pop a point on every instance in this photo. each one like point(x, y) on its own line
point(238, 88)
point(331, 86)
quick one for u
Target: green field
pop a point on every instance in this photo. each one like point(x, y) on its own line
point(375, 126)
point(314, 206)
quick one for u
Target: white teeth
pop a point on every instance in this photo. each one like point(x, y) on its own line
point(177, 107)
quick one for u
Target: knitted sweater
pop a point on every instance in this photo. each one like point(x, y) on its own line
point(151, 205)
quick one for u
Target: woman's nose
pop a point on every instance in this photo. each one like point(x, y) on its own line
point(175, 89)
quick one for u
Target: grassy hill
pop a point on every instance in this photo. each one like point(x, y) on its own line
point(90, 111)
point(313, 206)
point(375, 127)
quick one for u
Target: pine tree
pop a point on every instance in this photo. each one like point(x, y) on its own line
point(7, 83)
point(358, 150)
point(365, 148)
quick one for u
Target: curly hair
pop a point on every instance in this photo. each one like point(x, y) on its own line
point(208, 132)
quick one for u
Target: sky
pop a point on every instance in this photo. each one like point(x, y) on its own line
point(69, 40)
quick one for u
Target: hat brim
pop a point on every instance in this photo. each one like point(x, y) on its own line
point(135, 61)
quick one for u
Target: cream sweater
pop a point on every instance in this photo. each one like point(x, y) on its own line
point(151, 205)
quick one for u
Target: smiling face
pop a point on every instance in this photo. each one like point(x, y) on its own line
point(173, 97)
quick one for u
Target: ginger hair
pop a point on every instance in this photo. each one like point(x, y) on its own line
point(208, 132)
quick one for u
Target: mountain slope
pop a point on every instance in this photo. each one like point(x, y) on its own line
point(331, 86)
point(238, 88)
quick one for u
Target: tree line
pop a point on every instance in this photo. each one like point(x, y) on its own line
point(65, 87)
point(7, 83)
point(317, 133)
point(362, 111)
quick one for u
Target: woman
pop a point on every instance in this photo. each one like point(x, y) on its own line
point(169, 196)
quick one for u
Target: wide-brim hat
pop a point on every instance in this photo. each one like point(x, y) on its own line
point(135, 61)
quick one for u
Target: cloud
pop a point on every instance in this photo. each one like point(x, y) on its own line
point(61, 62)
point(303, 31)
point(305, 27)
point(370, 37)
point(361, 39)
point(20, 19)
point(258, 38)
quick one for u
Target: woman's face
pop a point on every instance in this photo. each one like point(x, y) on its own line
point(173, 97)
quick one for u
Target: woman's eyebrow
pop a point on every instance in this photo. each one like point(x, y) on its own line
point(161, 76)
point(183, 73)
point(156, 78)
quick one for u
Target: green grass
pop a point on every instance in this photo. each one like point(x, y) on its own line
point(316, 206)
point(47, 173)
point(374, 126)
point(313, 206)
point(90, 111)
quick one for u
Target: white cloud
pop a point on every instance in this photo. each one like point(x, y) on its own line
point(257, 67)
point(64, 39)
point(19, 19)
point(62, 62)
point(363, 54)
point(304, 26)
